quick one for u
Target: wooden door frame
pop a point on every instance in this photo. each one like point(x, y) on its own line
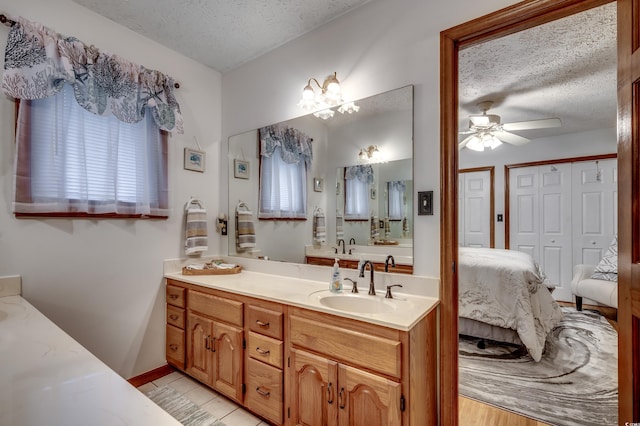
point(506, 21)
point(492, 199)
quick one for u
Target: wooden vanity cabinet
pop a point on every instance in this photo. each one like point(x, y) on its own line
point(296, 366)
point(353, 264)
point(175, 323)
point(348, 372)
point(215, 342)
point(264, 374)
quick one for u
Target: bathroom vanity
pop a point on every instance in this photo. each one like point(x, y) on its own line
point(292, 352)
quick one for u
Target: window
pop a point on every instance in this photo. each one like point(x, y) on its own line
point(285, 154)
point(357, 180)
point(75, 163)
point(395, 191)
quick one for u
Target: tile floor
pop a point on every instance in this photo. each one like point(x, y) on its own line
point(219, 406)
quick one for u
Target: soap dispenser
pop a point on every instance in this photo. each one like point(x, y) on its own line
point(335, 285)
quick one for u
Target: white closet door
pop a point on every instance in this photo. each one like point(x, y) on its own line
point(595, 197)
point(476, 211)
point(555, 227)
point(540, 220)
point(524, 211)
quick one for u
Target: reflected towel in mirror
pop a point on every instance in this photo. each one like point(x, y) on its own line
point(245, 230)
point(339, 226)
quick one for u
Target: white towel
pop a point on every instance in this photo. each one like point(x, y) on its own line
point(319, 228)
point(196, 239)
point(246, 230)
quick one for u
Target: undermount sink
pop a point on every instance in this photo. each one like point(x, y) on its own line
point(356, 303)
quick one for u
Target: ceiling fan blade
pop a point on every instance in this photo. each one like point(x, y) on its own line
point(511, 138)
point(545, 123)
point(467, 132)
point(465, 141)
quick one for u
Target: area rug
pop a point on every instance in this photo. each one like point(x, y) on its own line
point(181, 408)
point(575, 383)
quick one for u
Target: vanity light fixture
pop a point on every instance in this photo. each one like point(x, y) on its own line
point(330, 94)
point(348, 108)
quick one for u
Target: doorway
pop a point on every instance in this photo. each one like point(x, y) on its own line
point(504, 22)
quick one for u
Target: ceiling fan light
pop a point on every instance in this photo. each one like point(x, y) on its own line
point(493, 142)
point(475, 144)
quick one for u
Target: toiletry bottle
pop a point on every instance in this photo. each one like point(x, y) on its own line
point(335, 286)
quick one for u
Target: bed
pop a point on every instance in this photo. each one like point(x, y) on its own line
point(504, 296)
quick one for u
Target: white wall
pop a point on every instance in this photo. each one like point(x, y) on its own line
point(582, 144)
point(381, 46)
point(101, 280)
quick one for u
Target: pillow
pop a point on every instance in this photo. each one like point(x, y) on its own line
point(607, 269)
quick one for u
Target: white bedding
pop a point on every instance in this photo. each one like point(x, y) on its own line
point(506, 288)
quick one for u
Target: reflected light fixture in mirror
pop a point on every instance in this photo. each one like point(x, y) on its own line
point(370, 155)
point(330, 94)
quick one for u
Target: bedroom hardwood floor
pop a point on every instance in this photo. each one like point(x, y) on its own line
point(474, 413)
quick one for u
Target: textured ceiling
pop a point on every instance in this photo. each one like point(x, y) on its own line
point(564, 69)
point(222, 34)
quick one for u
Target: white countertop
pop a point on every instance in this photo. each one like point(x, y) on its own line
point(47, 378)
point(408, 308)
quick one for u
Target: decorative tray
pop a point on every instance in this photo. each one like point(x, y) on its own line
point(211, 270)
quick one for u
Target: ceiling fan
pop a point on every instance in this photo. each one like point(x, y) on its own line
point(486, 130)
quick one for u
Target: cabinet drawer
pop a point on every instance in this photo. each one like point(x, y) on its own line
point(175, 316)
point(229, 311)
point(265, 321)
point(371, 352)
point(265, 349)
point(175, 346)
point(264, 390)
point(175, 295)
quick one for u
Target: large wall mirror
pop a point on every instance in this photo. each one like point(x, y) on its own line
point(374, 146)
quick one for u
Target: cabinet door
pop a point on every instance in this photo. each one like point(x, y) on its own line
point(313, 390)
point(227, 372)
point(199, 348)
point(365, 399)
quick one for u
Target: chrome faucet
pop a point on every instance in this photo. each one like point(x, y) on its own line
point(339, 241)
point(386, 263)
point(372, 289)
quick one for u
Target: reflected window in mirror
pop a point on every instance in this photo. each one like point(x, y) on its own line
point(396, 199)
point(357, 181)
point(285, 155)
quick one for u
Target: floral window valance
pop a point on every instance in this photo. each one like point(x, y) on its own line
point(39, 61)
point(364, 173)
point(294, 145)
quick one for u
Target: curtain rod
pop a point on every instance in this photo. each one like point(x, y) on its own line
point(9, 23)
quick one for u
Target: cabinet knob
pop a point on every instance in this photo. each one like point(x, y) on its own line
point(173, 317)
point(330, 393)
point(262, 392)
point(173, 347)
point(341, 398)
point(262, 351)
point(262, 324)
point(173, 296)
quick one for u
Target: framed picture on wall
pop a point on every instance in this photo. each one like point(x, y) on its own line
point(241, 169)
point(194, 160)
